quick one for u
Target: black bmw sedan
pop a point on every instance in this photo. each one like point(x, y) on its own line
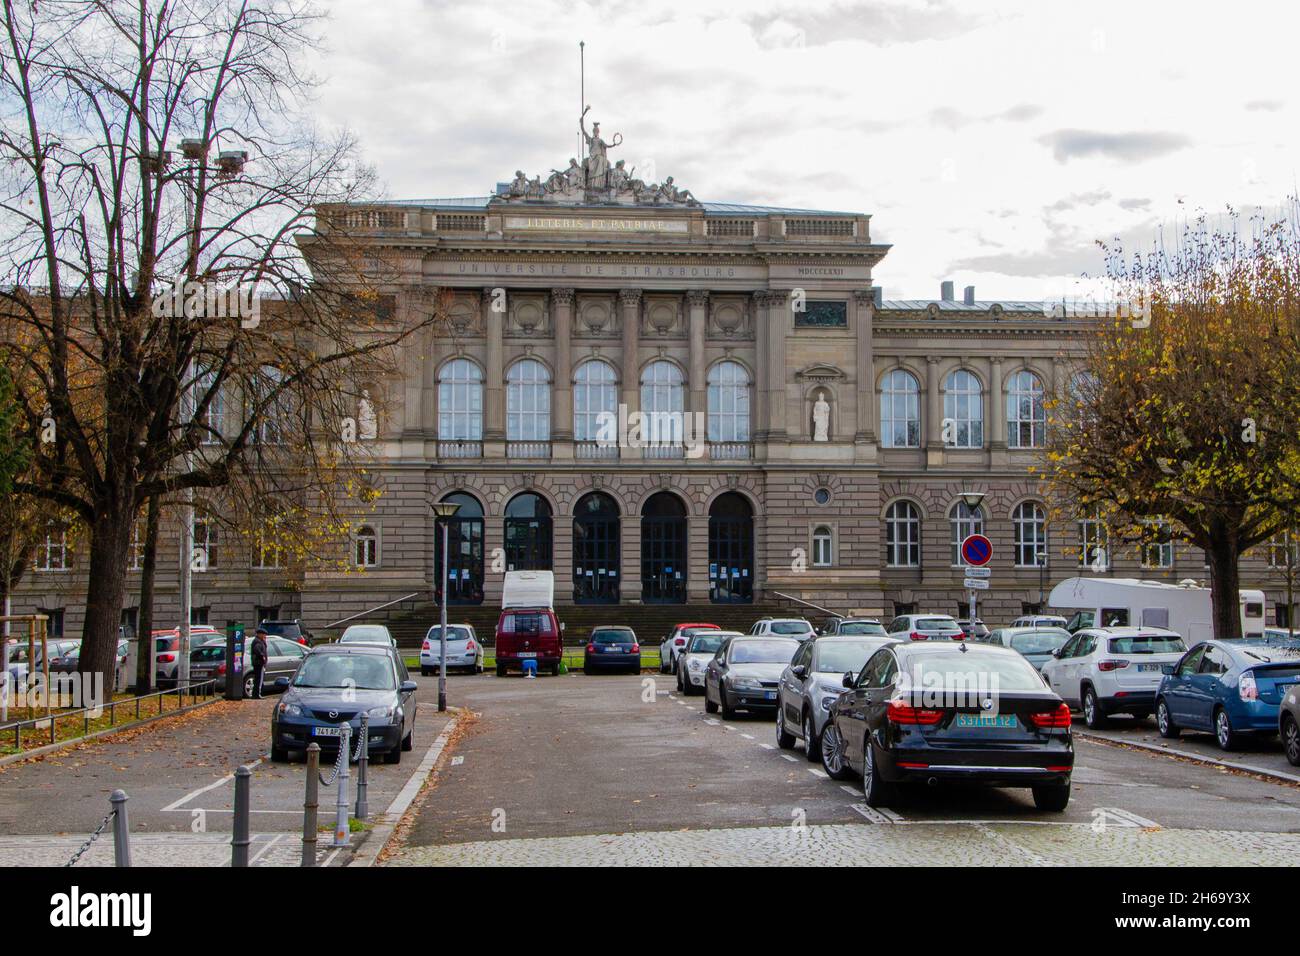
point(930, 713)
point(336, 684)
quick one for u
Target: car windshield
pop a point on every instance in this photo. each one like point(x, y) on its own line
point(958, 672)
point(209, 652)
point(369, 633)
point(705, 643)
point(454, 633)
point(936, 624)
point(861, 627)
point(762, 652)
point(362, 671)
point(840, 657)
point(527, 622)
point(1147, 644)
point(613, 635)
point(1039, 642)
point(789, 627)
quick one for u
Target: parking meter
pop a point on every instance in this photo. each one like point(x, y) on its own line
point(234, 661)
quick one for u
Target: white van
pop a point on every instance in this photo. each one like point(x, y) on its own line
point(1184, 608)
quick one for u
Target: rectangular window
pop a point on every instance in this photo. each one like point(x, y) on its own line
point(1092, 545)
point(1160, 552)
point(199, 615)
point(822, 315)
point(136, 559)
point(52, 550)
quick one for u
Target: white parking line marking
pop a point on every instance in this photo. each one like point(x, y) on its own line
point(729, 726)
point(788, 757)
point(1011, 845)
point(849, 790)
point(457, 761)
point(260, 853)
point(711, 722)
point(819, 773)
point(1120, 816)
point(767, 746)
point(873, 815)
point(212, 786)
point(748, 736)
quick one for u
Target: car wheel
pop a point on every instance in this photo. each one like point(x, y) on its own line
point(1165, 721)
point(1291, 739)
point(1092, 715)
point(248, 687)
point(784, 739)
point(1223, 732)
point(728, 711)
point(501, 670)
point(555, 670)
point(478, 666)
point(709, 706)
point(811, 742)
point(426, 671)
point(665, 667)
point(681, 689)
point(877, 791)
point(1053, 798)
point(394, 755)
point(586, 668)
point(408, 741)
point(279, 754)
point(833, 762)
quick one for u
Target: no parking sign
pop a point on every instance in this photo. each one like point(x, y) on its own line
point(976, 550)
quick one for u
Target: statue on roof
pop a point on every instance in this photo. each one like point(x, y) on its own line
point(597, 164)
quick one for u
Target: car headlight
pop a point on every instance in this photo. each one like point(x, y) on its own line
point(745, 683)
point(827, 701)
point(381, 712)
point(290, 710)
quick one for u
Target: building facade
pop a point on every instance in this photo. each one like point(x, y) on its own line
point(824, 432)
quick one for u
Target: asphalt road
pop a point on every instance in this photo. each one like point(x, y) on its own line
point(574, 755)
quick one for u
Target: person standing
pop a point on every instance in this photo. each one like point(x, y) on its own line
point(258, 653)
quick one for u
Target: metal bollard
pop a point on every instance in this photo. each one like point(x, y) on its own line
point(121, 829)
point(363, 764)
point(341, 807)
point(310, 805)
point(239, 839)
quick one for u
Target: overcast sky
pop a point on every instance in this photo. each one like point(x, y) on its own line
point(993, 143)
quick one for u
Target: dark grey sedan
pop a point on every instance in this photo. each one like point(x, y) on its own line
point(744, 674)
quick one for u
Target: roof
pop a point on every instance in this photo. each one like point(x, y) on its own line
point(949, 305)
point(722, 208)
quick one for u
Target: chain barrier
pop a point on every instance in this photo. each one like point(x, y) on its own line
point(334, 774)
point(93, 837)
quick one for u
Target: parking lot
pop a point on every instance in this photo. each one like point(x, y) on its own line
point(581, 769)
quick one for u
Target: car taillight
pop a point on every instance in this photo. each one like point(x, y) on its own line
point(591, 648)
point(469, 646)
point(425, 645)
point(1052, 718)
point(917, 636)
point(221, 668)
point(681, 641)
point(1246, 687)
point(302, 641)
point(1111, 665)
point(166, 658)
point(901, 713)
point(636, 648)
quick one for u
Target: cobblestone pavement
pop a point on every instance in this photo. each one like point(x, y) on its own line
point(961, 844)
point(164, 849)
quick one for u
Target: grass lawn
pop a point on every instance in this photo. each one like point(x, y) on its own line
point(122, 709)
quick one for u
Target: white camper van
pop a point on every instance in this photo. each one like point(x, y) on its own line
point(1183, 608)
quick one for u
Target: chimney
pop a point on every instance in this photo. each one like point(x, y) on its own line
point(945, 291)
point(878, 296)
point(968, 296)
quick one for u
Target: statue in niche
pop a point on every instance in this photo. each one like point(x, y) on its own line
point(821, 418)
point(367, 423)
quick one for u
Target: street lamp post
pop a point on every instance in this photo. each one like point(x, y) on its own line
point(1041, 558)
point(445, 511)
point(972, 500)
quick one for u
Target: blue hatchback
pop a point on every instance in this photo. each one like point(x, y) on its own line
point(1228, 689)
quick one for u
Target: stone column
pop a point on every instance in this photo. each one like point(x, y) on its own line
point(698, 301)
point(562, 391)
point(630, 304)
point(778, 317)
point(995, 408)
point(933, 404)
point(863, 304)
point(762, 422)
point(494, 399)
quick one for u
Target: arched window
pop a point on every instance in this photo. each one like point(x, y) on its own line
point(271, 404)
point(902, 535)
point(963, 406)
point(1026, 414)
point(464, 575)
point(822, 542)
point(528, 533)
point(595, 393)
point(663, 398)
point(731, 549)
point(900, 411)
point(728, 398)
point(365, 553)
point(1029, 522)
point(963, 522)
point(460, 401)
point(597, 565)
point(528, 402)
point(663, 549)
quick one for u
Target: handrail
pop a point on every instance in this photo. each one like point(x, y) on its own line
point(818, 607)
point(326, 627)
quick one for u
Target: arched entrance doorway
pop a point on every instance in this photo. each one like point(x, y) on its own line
point(731, 550)
point(464, 575)
point(595, 550)
point(528, 533)
point(663, 550)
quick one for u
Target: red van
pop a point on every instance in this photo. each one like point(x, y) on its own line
point(528, 628)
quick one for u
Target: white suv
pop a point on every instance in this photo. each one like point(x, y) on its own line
point(1113, 670)
point(925, 627)
point(795, 627)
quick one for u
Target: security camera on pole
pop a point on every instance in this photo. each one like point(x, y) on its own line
point(976, 552)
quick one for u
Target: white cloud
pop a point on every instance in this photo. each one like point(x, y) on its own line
point(945, 124)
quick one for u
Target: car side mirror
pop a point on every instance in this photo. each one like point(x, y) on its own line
point(1057, 653)
point(408, 687)
point(282, 683)
point(847, 681)
point(561, 625)
point(798, 670)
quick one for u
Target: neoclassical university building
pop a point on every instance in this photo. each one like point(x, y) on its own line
point(822, 433)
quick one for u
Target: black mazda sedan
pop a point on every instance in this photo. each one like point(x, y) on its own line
point(933, 713)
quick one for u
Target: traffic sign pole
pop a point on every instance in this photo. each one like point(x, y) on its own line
point(976, 551)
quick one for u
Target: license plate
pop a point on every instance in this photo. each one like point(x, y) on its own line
point(770, 695)
point(986, 721)
point(1151, 668)
point(326, 732)
point(527, 653)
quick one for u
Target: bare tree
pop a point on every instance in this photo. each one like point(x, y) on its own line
point(153, 142)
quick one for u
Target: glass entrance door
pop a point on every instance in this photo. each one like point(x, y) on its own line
point(663, 550)
point(596, 550)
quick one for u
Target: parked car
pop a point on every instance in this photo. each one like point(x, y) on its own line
point(367, 634)
point(528, 628)
point(925, 627)
point(334, 685)
point(1113, 670)
point(464, 649)
point(20, 667)
point(671, 646)
point(744, 674)
point(167, 645)
point(290, 630)
point(857, 626)
point(1288, 724)
point(795, 628)
point(283, 657)
point(812, 682)
point(1039, 620)
point(1035, 643)
point(1228, 689)
point(68, 661)
point(990, 719)
point(694, 659)
point(611, 647)
point(974, 630)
